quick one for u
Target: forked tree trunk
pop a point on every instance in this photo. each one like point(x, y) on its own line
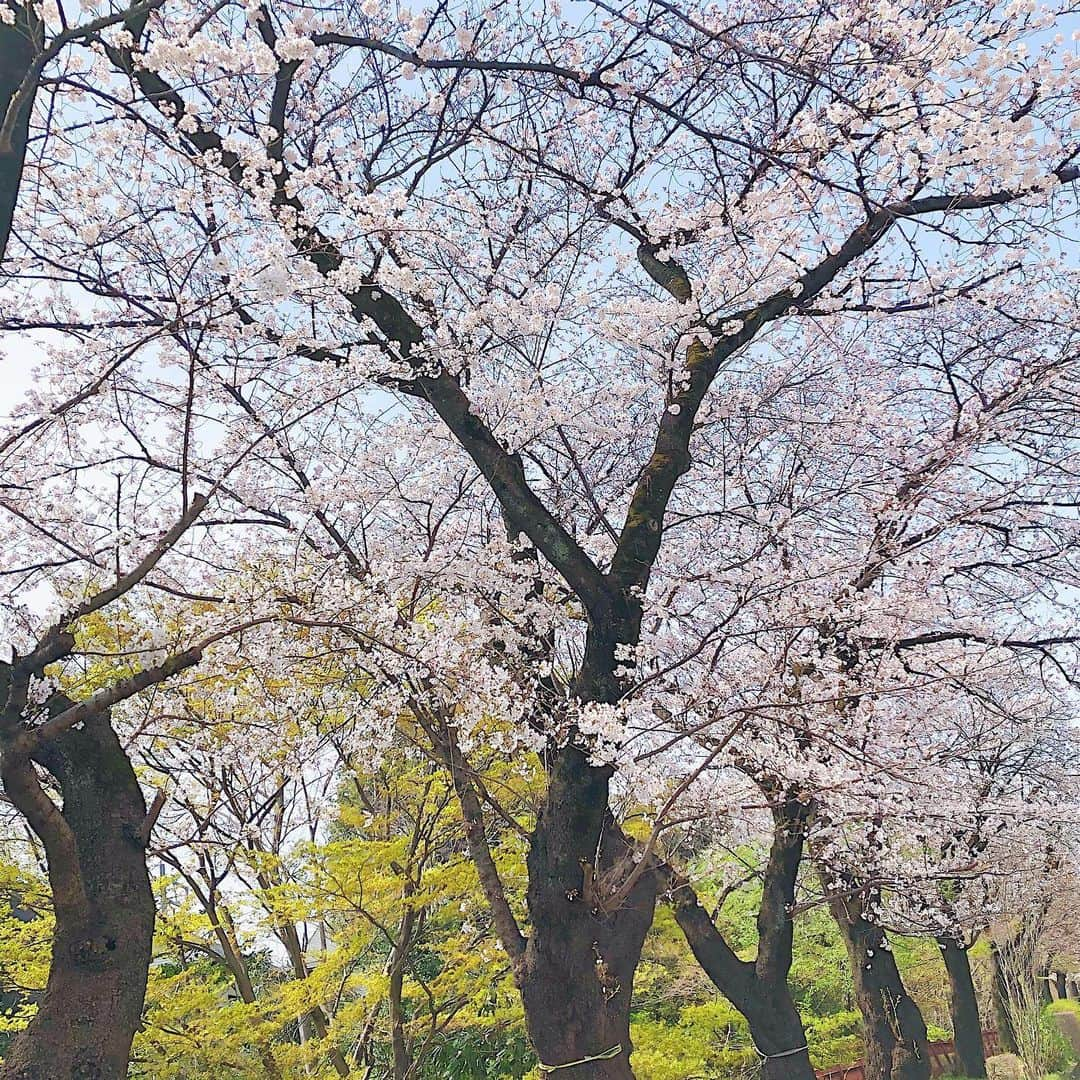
point(895, 1034)
point(963, 1008)
point(577, 973)
point(104, 908)
point(764, 1001)
point(759, 988)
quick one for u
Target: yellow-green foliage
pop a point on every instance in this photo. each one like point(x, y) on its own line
point(25, 940)
point(193, 1029)
point(1057, 1008)
point(706, 1040)
point(394, 854)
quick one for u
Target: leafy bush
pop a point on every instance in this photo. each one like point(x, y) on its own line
point(1057, 1008)
point(1062, 1056)
point(709, 1039)
point(835, 1039)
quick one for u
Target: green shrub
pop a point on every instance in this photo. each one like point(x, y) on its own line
point(1061, 1057)
point(709, 1039)
point(1056, 1008)
point(835, 1039)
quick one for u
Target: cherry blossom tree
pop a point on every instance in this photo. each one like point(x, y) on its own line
point(689, 389)
point(30, 42)
point(940, 864)
point(101, 506)
point(95, 839)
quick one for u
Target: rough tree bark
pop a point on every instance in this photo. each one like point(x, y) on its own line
point(759, 988)
point(577, 970)
point(963, 1008)
point(1000, 993)
point(894, 1030)
point(95, 847)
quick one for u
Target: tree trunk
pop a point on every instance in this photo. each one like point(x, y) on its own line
point(963, 1008)
point(234, 961)
point(577, 973)
point(1000, 989)
point(1061, 990)
point(1044, 977)
point(763, 998)
point(588, 920)
point(777, 1028)
point(19, 43)
point(895, 1034)
point(104, 908)
point(759, 989)
point(778, 1033)
point(315, 1017)
point(398, 955)
point(397, 1028)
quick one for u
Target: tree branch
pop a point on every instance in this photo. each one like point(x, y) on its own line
point(503, 471)
point(448, 754)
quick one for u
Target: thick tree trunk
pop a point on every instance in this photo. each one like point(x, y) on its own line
point(759, 989)
point(575, 969)
point(19, 43)
point(1061, 989)
point(577, 972)
point(895, 1034)
point(104, 908)
point(778, 1032)
point(963, 1008)
point(763, 998)
point(1000, 991)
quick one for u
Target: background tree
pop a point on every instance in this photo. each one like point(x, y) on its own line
point(601, 413)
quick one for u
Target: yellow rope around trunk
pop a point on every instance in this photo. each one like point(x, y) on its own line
point(607, 1055)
